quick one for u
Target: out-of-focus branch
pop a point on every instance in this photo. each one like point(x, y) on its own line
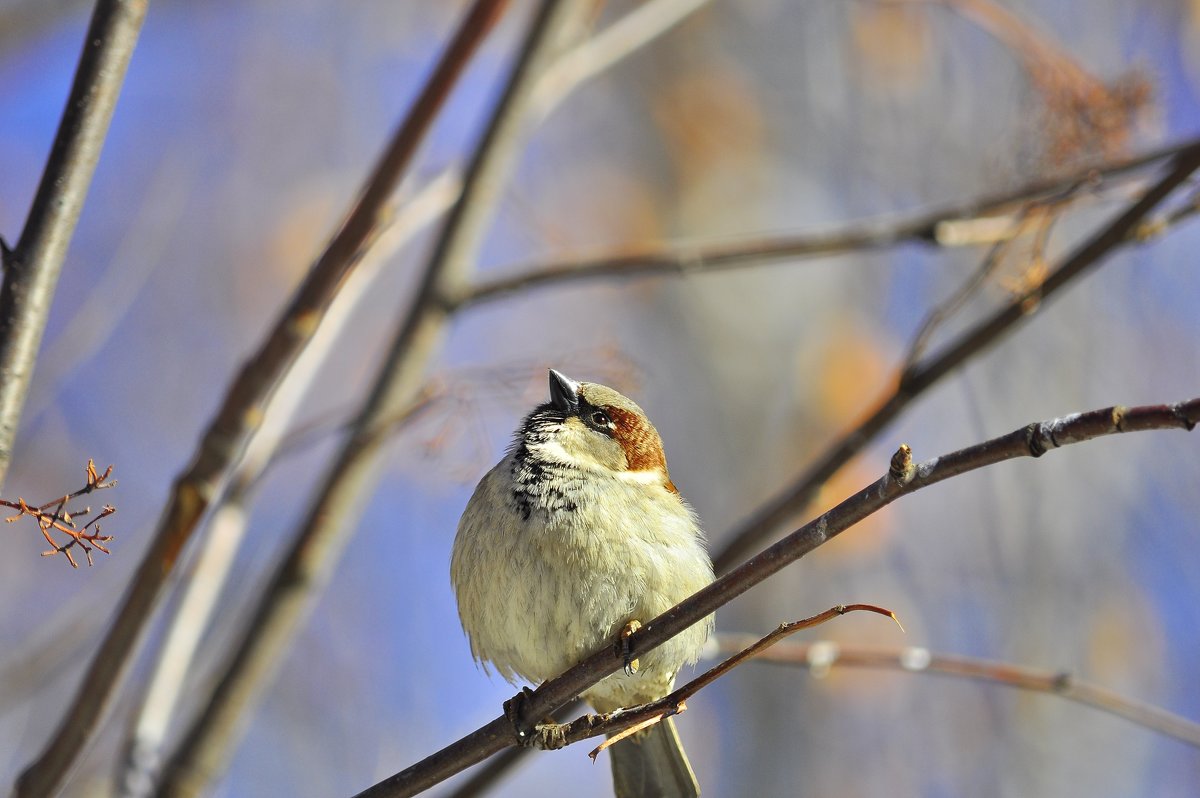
point(903, 477)
point(330, 521)
point(1040, 216)
point(920, 376)
point(32, 267)
point(943, 227)
point(139, 766)
point(241, 413)
point(635, 30)
point(821, 656)
point(1082, 114)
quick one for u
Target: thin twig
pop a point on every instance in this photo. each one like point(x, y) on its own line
point(969, 287)
point(240, 414)
point(920, 376)
point(31, 268)
point(1042, 212)
point(622, 722)
point(1153, 228)
point(903, 477)
point(66, 521)
point(819, 657)
point(940, 228)
point(317, 545)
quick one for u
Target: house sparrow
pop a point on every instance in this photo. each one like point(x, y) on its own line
point(577, 532)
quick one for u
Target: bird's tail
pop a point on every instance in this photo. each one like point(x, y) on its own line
point(651, 764)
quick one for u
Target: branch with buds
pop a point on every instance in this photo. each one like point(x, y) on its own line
point(55, 516)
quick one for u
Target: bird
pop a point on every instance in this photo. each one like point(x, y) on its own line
point(577, 536)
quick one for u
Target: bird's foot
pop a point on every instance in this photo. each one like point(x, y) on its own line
point(515, 711)
point(631, 662)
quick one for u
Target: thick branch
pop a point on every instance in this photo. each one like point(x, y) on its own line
point(921, 376)
point(903, 477)
point(31, 269)
point(240, 414)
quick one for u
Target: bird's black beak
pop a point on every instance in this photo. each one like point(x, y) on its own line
point(564, 392)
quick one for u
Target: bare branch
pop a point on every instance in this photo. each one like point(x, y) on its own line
point(31, 268)
point(903, 477)
point(330, 521)
point(241, 413)
point(64, 520)
point(552, 736)
point(635, 30)
point(821, 656)
point(939, 228)
point(1040, 214)
point(920, 376)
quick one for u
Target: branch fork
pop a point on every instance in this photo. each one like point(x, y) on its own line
point(60, 519)
point(627, 721)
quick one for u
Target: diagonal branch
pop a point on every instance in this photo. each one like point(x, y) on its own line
point(919, 377)
point(315, 550)
point(241, 414)
point(903, 477)
point(31, 268)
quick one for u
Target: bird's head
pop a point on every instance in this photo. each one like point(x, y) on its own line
point(592, 425)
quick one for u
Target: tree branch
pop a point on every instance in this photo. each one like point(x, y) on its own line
point(938, 228)
point(330, 521)
point(820, 656)
point(920, 376)
point(31, 269)
point(903, 477)
point(241, 414)
point(553, 736)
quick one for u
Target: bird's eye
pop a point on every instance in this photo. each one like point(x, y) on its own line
point(601, 419)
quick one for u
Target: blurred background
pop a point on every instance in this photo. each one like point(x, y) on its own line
point(241, 135)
